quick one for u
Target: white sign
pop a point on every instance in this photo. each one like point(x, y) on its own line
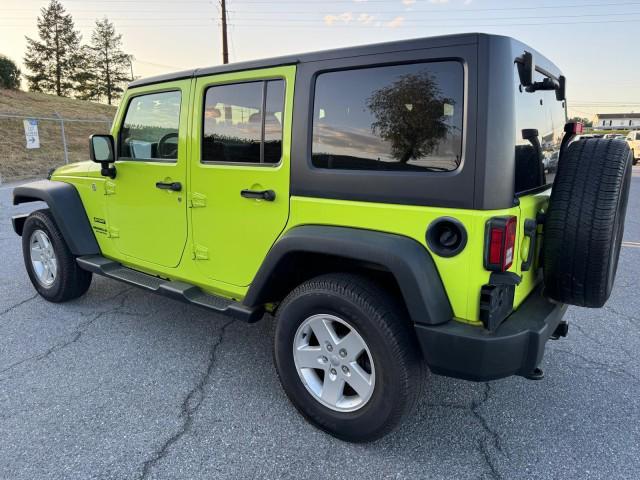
point(31, 133)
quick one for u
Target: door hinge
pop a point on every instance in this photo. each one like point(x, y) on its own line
point(114, 232)
point(109, 188)
point(200, 253)
point(198, 200)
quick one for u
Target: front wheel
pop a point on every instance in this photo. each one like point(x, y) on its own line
point(346, 356)
point(51, 266)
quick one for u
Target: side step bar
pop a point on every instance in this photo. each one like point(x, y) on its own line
point(178, 290)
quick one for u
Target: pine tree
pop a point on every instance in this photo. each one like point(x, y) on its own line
point(53, 61)
point(9, 73)
point(108, 64)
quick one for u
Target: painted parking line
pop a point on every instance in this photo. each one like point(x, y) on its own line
point(631, 244)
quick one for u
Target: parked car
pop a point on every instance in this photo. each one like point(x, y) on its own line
point(633, 139)
point(386, 204)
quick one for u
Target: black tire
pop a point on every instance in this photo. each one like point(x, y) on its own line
point(584, 224)
point(71, 281)
point(383, 324)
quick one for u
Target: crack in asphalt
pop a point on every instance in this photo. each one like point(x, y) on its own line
point(74, 337)
point(19, 304)
point(597, 340)
point(635, 321)
point(492, 437)
point(189, 407)
point(606, 367)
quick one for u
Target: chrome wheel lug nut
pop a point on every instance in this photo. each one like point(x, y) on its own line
point(329, 347)
point(324, 359)
point(343, 352)
point(345, 369)
point(333, 371)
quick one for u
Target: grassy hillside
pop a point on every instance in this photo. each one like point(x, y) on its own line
point(81, 120)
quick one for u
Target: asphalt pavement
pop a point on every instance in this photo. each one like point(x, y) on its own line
point(123, 384)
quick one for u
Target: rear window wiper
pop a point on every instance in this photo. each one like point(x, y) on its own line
point(526, 72)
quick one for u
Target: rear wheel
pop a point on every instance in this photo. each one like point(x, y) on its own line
point(346, 356)
point(51, 266)
point(584, 224)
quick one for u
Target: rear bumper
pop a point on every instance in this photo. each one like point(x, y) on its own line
point(473, 353)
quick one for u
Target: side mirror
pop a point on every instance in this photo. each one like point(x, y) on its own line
point(102, 151)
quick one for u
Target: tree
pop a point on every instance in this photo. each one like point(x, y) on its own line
point(53, 61)
point(9, 73)
point(585, 121)
point(410, 114)
point(107, 65)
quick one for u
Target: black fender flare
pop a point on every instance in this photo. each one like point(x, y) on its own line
point(406, 259)
point(67, 209)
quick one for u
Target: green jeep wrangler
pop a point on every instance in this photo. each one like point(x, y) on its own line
point(388, 204)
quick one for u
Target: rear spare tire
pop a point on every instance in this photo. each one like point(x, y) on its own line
point(584, 224)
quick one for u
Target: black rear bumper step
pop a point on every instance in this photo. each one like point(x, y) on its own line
point(516, 347)
point(179, 290)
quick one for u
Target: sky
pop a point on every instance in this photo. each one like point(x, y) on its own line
point(595, 43)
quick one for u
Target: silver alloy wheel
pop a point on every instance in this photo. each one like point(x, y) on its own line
point(334, 363)
point(43, 258)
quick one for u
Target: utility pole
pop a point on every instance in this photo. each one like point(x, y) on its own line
point(130, 57)
point(225, 49)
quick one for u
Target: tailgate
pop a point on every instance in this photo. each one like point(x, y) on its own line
point(528, 249)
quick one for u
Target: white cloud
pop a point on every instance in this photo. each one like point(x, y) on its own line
point(330, 19)
point(365, 18)
point(439, 1)
point(395, 23)
point(408, 2)
point(344, 17)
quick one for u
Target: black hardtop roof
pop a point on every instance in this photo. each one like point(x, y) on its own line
point(361, 50)
point(386, 47)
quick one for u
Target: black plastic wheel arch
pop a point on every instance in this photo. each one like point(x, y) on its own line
point(67, 209)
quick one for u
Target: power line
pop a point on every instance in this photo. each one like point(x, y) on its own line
point(414, 25)
point(440, 9)
point(542, 17)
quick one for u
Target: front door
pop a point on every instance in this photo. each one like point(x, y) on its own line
point(240, 170)
point(146, 201)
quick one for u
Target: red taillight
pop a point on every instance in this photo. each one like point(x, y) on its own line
point(500, 243)
point(495, 246)
point(575, 128)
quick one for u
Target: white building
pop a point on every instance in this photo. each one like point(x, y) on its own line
point(617, 121)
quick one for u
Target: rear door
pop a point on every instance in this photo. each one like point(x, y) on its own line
point(240, 169)
point(540, 120)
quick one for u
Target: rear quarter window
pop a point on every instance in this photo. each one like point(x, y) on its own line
point(392, 118)
point(540, 120)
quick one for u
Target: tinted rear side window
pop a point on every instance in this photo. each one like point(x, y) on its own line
point(540, 120)
point(235, 129)
point(398, 118)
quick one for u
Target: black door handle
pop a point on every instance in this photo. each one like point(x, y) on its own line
point(173, 186)
point(268, 195)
